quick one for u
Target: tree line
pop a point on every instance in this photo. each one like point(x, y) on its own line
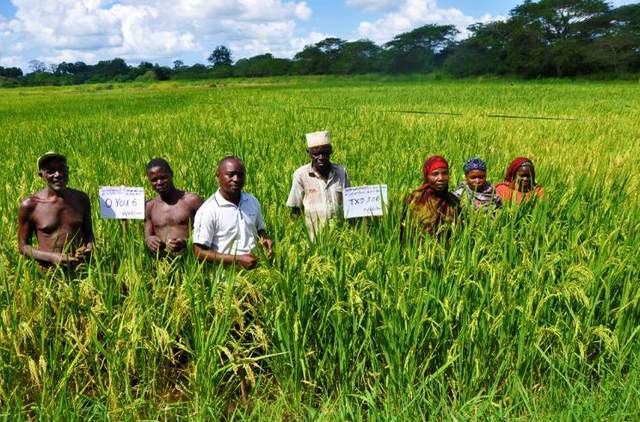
point(546, 38)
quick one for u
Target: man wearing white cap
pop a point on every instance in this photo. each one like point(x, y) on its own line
point(317, 187)
point(60, 218)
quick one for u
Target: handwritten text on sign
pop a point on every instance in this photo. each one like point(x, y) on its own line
point(121, 202)
point(364, 201)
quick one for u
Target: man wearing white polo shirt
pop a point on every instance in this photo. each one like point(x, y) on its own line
point(317, 186)
point(229, 224)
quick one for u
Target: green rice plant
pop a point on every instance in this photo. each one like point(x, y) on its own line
point(531, 314)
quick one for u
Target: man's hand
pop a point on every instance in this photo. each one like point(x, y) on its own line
point(247, 261)
point(155, 244)
point(176, 245)
point(267, 244)
point(83, 252)
point(64, 259)
point(295, 213)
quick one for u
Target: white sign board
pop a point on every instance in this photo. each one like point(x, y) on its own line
point(121, 202)
point(364, 201)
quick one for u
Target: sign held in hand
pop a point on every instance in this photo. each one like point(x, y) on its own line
point(121, 202)
point(364, 201)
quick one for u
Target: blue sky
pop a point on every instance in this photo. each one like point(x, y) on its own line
point(165, 30)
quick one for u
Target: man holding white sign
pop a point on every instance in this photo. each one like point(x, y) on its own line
point(317, 187)
point(60, 218)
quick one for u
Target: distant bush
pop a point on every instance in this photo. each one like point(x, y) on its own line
point(147, 76)
point(8, 82)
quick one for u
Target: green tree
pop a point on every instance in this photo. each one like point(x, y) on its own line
point(618, 50)
point(37, 66)
point(483, 52)
point(262, 65)
point(418, 50)
point(319, 58)
point(560, 19)
point(362, 56)
point(561, 31)
point(221, 56)
point(10, 72)
point(309, 61)
point(110, 68)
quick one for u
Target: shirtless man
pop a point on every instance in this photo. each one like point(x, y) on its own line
point(59, 216)
point(169, 216)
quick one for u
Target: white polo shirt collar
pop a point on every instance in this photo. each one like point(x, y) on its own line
point(222, 202)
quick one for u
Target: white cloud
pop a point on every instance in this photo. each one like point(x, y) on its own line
point(241, 10)
point(4, 26)
point(299, 43)
point(372, 5)
point(10, 47)
point(11, 61)
point(90, 30)
point(618, 3)
point(409, 14)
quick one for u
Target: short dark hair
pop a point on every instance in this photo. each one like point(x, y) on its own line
point(229, 158)
point(159, 162)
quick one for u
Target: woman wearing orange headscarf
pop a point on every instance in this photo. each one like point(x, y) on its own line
point(519, 182)
point(432, 207)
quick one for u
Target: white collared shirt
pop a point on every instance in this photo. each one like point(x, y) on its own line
point(321, 199)
point(224, 227)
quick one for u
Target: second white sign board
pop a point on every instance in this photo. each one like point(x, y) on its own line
point(364, 201)
point(121, 202)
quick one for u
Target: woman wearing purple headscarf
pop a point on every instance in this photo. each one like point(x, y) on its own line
point(475, 189)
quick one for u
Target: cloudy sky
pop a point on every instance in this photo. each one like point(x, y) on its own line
point(165, 30)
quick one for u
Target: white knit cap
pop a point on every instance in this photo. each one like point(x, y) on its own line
point(316, 139)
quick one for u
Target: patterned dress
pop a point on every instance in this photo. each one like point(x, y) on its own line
point(430, 211)
point(509, 194)
point(485, 198)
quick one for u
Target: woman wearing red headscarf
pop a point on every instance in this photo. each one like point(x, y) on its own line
point(519, 182)
point(431, 207)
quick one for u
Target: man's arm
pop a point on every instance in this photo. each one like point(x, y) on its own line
point(296, 196)
point(204, 227)
point(151, 241)
point(202, 253)
point(25, 233)
point(87, 230)
point(195, 201)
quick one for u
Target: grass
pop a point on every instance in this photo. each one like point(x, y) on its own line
point(533, 315)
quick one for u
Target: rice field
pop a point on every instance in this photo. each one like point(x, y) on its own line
point(535, 314)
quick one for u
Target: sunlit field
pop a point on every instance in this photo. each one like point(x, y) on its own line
point(535, 314)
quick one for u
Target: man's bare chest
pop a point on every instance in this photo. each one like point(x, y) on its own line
point(50, 218)
point(170, 215)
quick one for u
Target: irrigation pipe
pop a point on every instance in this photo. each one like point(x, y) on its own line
point(445, 113)
point(432, 113)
